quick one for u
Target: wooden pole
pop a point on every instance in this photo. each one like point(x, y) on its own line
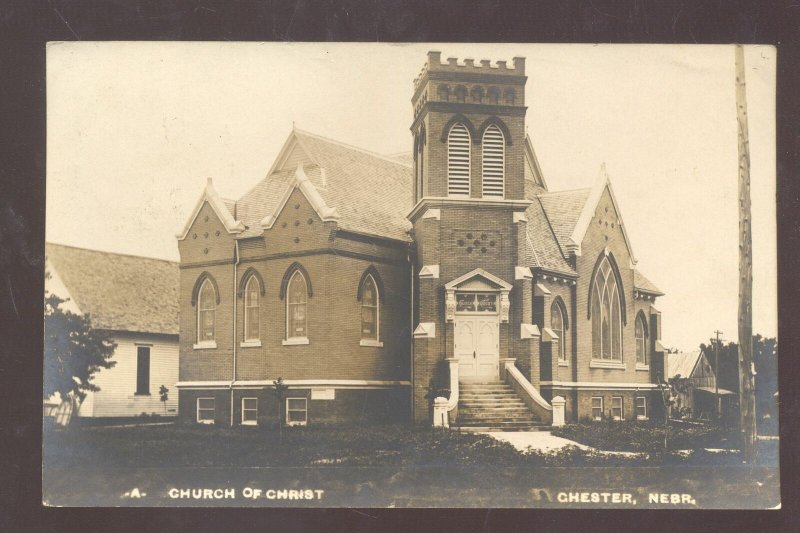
point(747, 401)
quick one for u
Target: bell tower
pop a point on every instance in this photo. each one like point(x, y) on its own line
point(469, 221)
point(469, 129)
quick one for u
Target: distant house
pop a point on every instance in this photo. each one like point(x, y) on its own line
point(136, 299)
point(699, 389)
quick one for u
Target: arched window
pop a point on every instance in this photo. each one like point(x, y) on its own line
point(606, 315)
point(460, 93)
point(477, 94)
point(370, 310)
point(251, 310)
point(444, 93)
point(458, 147)
point(419, 151)
point(297, 307)
point(557, 325)
point(493, 148)
point(510, 97)
point(641, 341)
point(493, 95)
point(206, 310)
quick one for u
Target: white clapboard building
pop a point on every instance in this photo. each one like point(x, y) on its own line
point(136, 300)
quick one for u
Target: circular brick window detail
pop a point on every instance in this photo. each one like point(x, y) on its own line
point(612, 225)
point(296, 240)
point(460, 242)
point(194, 236)
point(217, 233)
point(296, 223)
point(469, 235)
point(483, 250)
point(297, 206)
point(205, 250)
point(205, 235)
point(283, 225)
point(310, 221)
point(469, 249)
point(205, 219)
point(483, 237)
point(491, 243)
point(476, 242)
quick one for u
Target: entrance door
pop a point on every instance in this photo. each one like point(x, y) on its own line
point(477, 347)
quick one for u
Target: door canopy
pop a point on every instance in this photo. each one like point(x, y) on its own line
point(477, 281)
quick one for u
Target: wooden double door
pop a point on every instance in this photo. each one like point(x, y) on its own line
point(477, 347)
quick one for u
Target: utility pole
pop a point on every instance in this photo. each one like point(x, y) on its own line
point(747, 399)
point(716, 371)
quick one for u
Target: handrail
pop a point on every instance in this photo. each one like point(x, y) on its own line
point(452, 402)
point(526, 386)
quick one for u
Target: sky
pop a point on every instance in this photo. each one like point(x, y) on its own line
point(134, 130)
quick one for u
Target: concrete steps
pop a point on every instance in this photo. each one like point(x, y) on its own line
point(494, 406)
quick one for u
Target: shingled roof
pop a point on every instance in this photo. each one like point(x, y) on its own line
point(371, 193)
point(563, 208)
point(120, 292)
point(643, 284)
point(682, 364)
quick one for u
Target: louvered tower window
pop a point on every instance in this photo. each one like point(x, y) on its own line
point(493, 162)
point(458, 161)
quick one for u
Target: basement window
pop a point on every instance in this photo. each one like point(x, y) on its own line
point(205, 410)
point(296, 411)
point(249, 411)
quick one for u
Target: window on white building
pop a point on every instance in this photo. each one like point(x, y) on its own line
point(142, 370)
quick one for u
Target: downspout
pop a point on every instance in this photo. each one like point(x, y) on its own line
point(235, 278)
point(411, 335)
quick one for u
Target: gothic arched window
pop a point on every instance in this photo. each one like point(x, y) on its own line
point(641, 341)
point(370, 310)
point(494, 155)
point(206, 311)
point(606, 315)
point(557, 325)
point(297, 307)
point(458, 154)
point(510, 97)
point(460, 93)
point(251, 310)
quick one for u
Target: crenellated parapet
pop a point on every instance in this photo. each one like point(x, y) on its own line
point(468, 82)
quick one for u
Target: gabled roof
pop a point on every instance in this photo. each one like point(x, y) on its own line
point(682, 364)
point(370, 192)
point(222, 207)
point(602, 183)
point(563, 208)
point(120, 292)
point(541, 247)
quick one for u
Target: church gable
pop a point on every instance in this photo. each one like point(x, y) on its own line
point(297, 226)
point(207, 238)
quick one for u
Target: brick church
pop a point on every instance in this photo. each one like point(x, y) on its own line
point(448, 285)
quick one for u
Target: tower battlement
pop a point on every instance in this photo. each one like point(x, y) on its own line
point(468, 66)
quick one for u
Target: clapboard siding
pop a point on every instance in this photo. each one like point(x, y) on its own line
point(118, 384)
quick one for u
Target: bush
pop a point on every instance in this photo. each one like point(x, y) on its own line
point(647, 436)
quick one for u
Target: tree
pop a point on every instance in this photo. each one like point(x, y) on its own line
point(164, 396)
point(73, 352)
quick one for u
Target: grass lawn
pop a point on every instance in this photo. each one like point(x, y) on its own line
point(392, 445)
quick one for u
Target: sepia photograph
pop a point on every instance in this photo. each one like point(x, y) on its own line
point(410, 275)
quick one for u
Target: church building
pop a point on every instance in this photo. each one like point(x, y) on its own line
point(448, 286)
